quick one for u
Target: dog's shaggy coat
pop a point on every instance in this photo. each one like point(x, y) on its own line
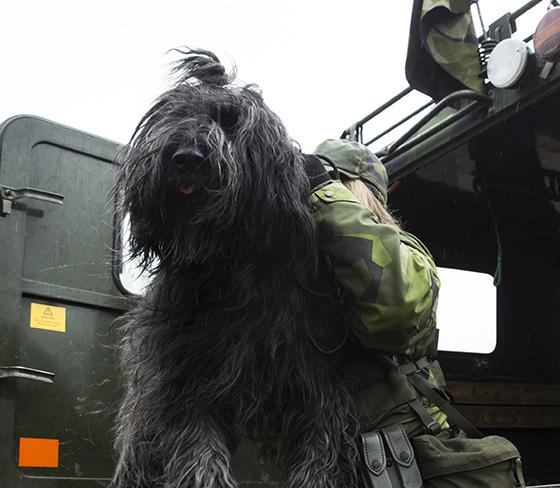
point(232, 334)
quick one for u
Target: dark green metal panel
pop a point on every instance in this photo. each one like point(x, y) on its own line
point(70, 245)
point(77, 408)
point(61, 256)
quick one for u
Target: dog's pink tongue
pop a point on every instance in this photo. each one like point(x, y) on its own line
point(187, 190)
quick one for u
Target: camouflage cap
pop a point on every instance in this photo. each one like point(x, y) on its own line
point(355, 161)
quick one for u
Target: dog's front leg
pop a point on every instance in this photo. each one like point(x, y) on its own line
point(198, 455)
point(139, 464)
point(318, 446)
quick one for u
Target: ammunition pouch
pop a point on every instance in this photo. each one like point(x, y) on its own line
point(390, 460)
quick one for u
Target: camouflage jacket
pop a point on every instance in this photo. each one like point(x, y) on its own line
point(388, 277)
point(389, 286)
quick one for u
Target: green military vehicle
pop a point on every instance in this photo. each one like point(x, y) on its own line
point(477, 178)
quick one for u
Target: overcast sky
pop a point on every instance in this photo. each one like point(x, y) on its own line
point(98, 65)
point(322, 65)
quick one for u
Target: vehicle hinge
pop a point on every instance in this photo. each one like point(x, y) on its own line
point(503, 28)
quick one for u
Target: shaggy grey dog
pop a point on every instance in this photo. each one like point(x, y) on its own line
point(237, 329)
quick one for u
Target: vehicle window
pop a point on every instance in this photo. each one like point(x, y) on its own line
point(466, 311)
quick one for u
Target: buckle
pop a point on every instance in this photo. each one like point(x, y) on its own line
point(433, 428)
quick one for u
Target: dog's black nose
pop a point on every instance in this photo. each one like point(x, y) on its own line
point(187, 156)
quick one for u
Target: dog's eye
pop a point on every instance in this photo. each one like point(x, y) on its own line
point(227, 117)
point(168, 152)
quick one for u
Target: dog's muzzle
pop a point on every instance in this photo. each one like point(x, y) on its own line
point(187, 160)
point(187, 157)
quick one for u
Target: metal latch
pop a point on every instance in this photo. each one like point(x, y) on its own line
point(26, 373)
point(9, 195)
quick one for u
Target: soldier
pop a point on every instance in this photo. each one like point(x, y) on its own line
point(390, 286)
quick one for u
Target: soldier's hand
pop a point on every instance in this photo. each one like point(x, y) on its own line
point(315, 171)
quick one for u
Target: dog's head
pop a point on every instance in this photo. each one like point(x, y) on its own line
point(211, 172)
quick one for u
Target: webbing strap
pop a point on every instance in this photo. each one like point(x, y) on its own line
point(413, 366)
point(426, 389)
point(432, 426)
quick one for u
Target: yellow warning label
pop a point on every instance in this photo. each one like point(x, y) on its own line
point(48, 317)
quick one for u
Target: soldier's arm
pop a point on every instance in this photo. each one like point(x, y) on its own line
point(388, 277)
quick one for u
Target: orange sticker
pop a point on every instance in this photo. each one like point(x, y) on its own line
point(38, 453)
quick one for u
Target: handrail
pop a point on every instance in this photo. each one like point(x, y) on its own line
point(376, 112)
point(443, 103)
point(355, 130)
point(515, 15)
point(387, 158)
point(525, 8)
point(399, 123)
point(395, 172)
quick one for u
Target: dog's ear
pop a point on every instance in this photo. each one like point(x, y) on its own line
point(198, 65)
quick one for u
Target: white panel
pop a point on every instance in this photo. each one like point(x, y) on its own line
point(466, 311)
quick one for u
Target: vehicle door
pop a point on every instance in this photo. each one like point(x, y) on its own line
point(58, 301)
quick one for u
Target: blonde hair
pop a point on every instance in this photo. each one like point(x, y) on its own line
point(364, 195)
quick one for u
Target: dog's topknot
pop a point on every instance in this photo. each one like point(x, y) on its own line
point(210, 172)
point(198, 65)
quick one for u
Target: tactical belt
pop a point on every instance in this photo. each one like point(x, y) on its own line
point(413, 372)
point(388, 454)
